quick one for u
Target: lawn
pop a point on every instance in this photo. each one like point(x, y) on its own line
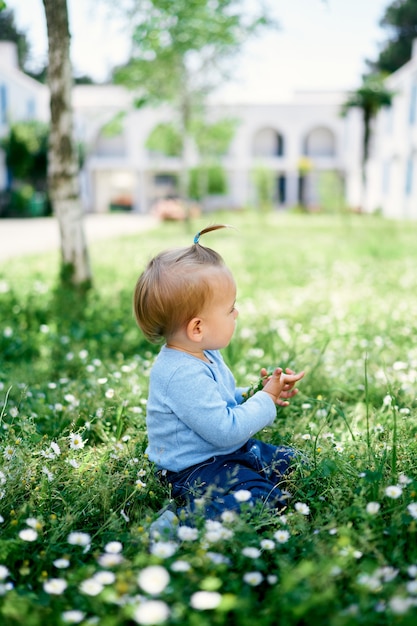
point(333, 295)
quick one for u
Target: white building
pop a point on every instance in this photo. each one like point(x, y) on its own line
point(21, 97)
point(312, 152)
point(280, 137)
point(392, 166)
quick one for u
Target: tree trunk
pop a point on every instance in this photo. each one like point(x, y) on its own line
point(367, 121)
point(62, 158)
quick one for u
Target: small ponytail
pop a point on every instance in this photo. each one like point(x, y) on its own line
point(208, 229)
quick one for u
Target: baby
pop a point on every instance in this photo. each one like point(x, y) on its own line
point(200, 429)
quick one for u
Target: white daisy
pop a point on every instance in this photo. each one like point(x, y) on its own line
point(76, 441)
point(393, 491)
point(253, 578)
point(151, 612)
point(372, 508)
point(55, 586)
point(153, 579)
point(205, 600)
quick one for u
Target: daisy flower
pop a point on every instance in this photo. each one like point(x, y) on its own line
point(73, 616)
point(153, 579)
point(113, 547)
point(28, 534)
point(186, 533)
point(55, 586)
point(91, 587)
point(205, 600)
point(242, 495)
point(282, 536)
point(393, 491)
point(302, 508)
point(151, 612)
point(110, 560)
point(104, 578)
point(79, 539)
point(76, 441)
point(253, 578)
point(252, 553)
point(372, 508)
point(8, 453)
point(412, 509)
point(164, 549)
point(61, 563)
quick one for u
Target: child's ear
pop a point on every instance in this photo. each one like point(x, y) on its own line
point(194, 330)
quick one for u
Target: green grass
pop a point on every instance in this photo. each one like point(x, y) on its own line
point(334, 295)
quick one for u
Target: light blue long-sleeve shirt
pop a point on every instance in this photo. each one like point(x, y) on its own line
point(194, 410)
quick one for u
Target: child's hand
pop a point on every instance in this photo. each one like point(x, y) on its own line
point(280, 385)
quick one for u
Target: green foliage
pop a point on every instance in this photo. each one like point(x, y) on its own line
point(173, 42)
point(26, 148)
point(333, 294)
point(165, 139)
point(115, 126)
point(370, 97)
point(213, 140)
point(181, 52)
point(206, 181)
point(9, 32)
point(263, 179)
point(331, 194)
point(400, 21)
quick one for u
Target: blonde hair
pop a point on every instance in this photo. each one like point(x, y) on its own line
point(174, 288)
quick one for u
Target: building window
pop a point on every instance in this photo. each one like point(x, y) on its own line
point(268, 143)
point(110, 145)
point(281, 188)
point(165, 180)
point(3, 104)
point(31, 109)
point(387, 114)
point(409, 176)
point(280, 145)
point(320, 142)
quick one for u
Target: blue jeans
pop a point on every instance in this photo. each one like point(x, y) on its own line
point(256, 467)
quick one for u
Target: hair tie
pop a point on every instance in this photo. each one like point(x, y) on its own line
point(197, 237)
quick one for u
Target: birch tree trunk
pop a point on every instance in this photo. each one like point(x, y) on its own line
point(63, 166)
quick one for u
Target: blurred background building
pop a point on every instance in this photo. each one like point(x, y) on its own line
point(310, 154)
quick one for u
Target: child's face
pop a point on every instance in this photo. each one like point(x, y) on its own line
point(219, 315)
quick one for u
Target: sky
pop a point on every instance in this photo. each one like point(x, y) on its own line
point(320, 44)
